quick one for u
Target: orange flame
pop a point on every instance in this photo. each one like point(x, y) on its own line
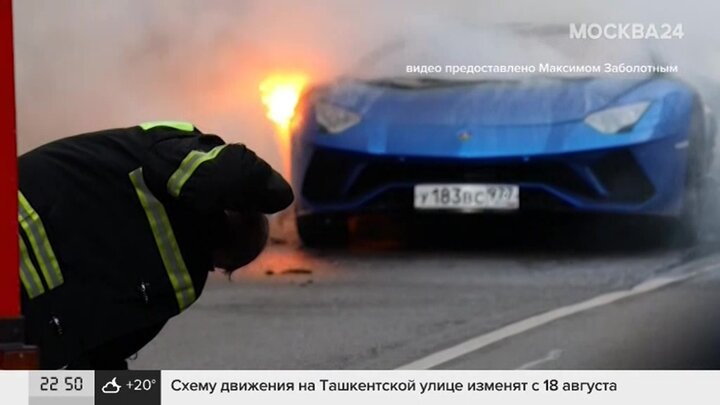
point(280, 94)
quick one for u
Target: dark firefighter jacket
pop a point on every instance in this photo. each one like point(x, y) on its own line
point(116, 229)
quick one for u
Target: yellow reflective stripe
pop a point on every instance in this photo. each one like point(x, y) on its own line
point(179, 125)
point(36, 235)
point(188, 166)
point(28, 274)
point(166, 242)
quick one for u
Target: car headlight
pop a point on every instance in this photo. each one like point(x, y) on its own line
point(335, 119)
point(617, 119)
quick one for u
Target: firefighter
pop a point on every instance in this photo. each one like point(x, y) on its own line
point(119, 229)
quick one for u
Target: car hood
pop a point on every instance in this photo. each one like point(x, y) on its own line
point(534, 101)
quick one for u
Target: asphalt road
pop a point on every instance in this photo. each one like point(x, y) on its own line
point(382, 306)
point(677, 327)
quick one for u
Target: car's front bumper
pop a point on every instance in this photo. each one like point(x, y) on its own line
point(646, 178)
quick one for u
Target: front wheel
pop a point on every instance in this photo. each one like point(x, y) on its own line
point(689, 223)
point(323, 230)
point(694, 216)
point(692, 225)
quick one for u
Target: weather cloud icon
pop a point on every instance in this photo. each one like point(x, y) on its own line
point(112, 387)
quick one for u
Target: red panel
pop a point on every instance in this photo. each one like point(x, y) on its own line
point(9, 283)
point(19, 358)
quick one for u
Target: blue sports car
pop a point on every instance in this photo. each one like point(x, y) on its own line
point(420, 144)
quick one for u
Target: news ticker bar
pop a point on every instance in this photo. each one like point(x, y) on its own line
point(356, 387)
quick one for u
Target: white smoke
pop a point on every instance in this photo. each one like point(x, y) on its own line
point(84, 65)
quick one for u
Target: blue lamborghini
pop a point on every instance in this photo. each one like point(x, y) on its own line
point(421, 144)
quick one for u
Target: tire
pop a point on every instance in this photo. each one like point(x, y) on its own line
point(690, 224)
point(317, 231)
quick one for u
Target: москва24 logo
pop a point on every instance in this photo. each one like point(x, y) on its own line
point(626, 31)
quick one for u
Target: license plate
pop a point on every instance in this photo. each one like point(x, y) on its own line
point(467, 197)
